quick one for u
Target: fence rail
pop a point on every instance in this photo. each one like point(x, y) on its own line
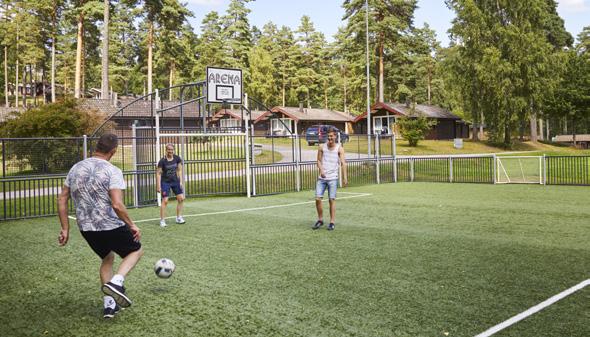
point(219, 168)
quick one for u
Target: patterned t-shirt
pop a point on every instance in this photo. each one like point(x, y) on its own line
point(169, 168)
point(90, 181)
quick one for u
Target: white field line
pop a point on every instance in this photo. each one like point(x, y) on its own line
point(534, 309)
point(357, 195)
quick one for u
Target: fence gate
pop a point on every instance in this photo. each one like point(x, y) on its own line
point(519, 170)
point(144, 165)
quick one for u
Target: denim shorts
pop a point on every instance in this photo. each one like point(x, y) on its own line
point(321, 186)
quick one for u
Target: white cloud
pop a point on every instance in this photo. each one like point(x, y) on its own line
point(573, 5)
point(205, 2)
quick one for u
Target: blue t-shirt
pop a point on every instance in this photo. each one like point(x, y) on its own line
point(90, 181)
point(169, 169)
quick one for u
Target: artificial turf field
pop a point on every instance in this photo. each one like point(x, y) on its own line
point(407, 259)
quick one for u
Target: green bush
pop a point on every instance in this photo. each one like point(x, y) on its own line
point(43, 154)
point(414, 129)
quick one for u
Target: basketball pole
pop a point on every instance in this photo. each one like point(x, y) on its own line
point(158, 154)
point(247, 146)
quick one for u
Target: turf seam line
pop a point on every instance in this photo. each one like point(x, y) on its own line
point(254, 208)
point(533, 310)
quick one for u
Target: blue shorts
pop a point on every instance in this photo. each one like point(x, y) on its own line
point(321, 186)
point(175, 186)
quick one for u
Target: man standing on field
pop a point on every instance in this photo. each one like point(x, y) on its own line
point(330, 158)
point(96, 187)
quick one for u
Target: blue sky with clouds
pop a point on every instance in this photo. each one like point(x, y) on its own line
point(327, 14)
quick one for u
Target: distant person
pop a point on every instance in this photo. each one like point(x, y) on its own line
point(169, 176)
point(330, 158)
point(96, 187)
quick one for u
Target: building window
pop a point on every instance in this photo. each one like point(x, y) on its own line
point(383, 124)
point(230, 124)
point(281, 129)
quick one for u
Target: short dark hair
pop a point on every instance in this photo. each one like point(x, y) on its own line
point(331, 129)
point(107, 142)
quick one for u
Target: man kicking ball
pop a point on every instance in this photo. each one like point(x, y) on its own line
point(330, 158)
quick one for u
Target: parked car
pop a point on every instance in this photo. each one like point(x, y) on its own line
point(319, 134)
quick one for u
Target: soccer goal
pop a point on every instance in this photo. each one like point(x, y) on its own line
point(519, 170)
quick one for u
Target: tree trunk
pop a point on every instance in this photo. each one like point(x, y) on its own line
point(547, 133)
point(429, 82)
point(104, 89)
point(6, 76)
point(381, 71)
point(574, 131)
point(53, 37)
point(150, 42)
point(481, 121)
point(171, 79)
point(345, 93)
point(565, 125)
point(474, 132)
point(17, 68)
point(79, 41)
point(507, 136)
point(53, 67)
point(283, 89)
point(541, 131)
point(533, 122)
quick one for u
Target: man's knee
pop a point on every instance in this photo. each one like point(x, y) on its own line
point(109, 259)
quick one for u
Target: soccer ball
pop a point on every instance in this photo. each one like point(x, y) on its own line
point(164, 268)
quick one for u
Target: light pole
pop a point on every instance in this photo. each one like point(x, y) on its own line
point(368, 80)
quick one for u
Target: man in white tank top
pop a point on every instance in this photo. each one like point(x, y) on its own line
point(330, 159)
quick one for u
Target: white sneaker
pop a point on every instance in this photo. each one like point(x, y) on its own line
point(162, 223)
point(180, 220)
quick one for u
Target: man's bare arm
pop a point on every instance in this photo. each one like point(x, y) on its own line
point(320, 165)
point(342, 156)
point(119, 207)
point(62, 207)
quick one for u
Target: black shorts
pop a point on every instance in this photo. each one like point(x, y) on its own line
point(119, 240)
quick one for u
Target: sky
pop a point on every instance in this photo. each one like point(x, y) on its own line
point(326, 15)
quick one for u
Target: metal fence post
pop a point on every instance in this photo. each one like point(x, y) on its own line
point(450, 169)
point(494, 168)
point(544, 170)
point(135, 172)
point(412, 169)
point(394, 152)
point(85, 146)
point(378, 157)
point(297, 159)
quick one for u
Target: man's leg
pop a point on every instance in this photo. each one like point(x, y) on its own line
point(332, 210)
point(106, 268)
point(319, 208)
point(106, 273)
point(129, 262)
point(320, 188)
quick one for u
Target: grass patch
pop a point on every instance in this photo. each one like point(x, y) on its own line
point(408, 260)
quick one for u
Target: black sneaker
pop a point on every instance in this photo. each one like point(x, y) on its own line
point(117, 292)
point(318, 224)
point(331, 226)
point(110, 312)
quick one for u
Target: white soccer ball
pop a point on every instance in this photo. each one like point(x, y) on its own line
point(164, 268)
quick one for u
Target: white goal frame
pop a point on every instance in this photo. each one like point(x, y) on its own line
point(502, 172)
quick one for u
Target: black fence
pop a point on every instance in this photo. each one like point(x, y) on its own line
point(33, 170)
point(567, 170)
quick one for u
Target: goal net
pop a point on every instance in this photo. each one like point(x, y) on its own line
point(519, 170)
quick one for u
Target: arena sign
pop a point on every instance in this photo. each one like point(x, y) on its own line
point(224, 85)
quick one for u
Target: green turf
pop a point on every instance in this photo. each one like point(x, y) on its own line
point(412, 259)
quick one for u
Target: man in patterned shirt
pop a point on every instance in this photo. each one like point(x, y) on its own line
point(96, 187)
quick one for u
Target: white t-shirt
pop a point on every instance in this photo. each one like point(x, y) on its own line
point(90, 181)
point(330, 162)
